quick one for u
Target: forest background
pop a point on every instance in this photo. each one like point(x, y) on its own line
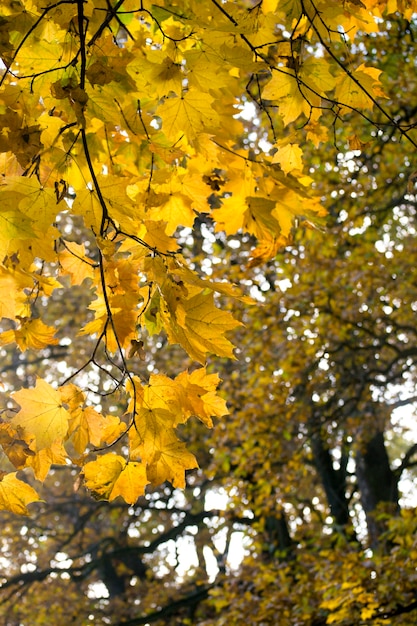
point(208, 211)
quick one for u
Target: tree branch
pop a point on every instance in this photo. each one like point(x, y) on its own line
point(170, 609)
point(405, 463)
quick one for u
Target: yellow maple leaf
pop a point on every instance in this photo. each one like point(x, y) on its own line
point(165, 75)
point(291, 205)
point(86, 425)
point(38, 203)
point(46, 284)
point(289, 157)
point(199, 327)
point(42, 246)
point(112, 428)
point(131, 482)
point(230, 217)
point(88, 205)
point(162, 393)
point(201, 71)
point(150, 424)
point(357, 90)
point(317, 78)
point(101, 474)
point(111, 475)
point(15, 495)
point(174, 209)
point(189, 277)
point(13, 225)
point(367, 612)
point(33, 333)
point(13, 300)
point(155, 236)
point(284, 89)
point(189, 114)
point(260, 219)
point(170, 460)
point(269, 6)
point(164, 403)
point(41, 414)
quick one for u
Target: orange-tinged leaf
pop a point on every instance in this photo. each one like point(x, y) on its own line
point(74, 262)
point(87, 426)
point(33, 334)
point(316, 132)
point(72, 396)
point(15, 447)
point(101, 474)
point(124, 320)
point(15, 494)
point(268, 248)
point(166, 151)
point(41, 414)
point(200, 397)
point(111, 475)
point(355, 143)
point(41, 461)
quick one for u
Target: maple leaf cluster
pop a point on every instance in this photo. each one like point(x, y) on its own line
point(131, 120)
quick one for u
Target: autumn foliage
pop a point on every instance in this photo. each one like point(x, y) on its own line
point(128, 117)
point(195, 192)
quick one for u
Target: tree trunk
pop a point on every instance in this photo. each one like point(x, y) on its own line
point(333, 480)
point(377, 483)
